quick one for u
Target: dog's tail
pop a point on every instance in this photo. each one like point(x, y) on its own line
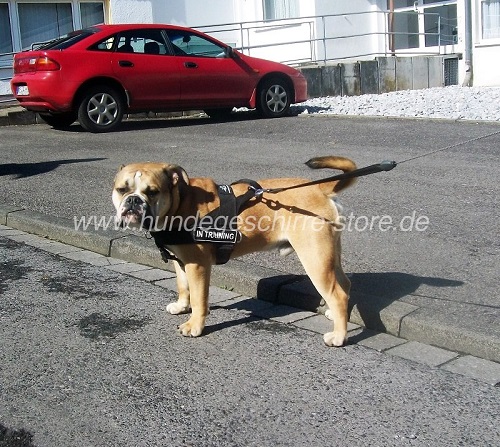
point(332, 162)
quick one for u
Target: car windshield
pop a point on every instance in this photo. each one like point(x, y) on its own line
point(65, 41)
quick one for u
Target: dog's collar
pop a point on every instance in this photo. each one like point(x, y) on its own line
point(224, 237)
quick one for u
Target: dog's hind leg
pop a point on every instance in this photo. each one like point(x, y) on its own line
point(182, 305)
point(338, 307)
point(320, 256)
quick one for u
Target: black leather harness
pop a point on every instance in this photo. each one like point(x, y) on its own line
point(218, 227)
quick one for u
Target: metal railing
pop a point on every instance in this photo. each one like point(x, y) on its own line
point(317, 39)
point(320, 40)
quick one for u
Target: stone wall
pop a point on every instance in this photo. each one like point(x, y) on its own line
point(382, 75)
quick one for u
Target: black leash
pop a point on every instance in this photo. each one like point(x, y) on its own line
point(367, 170)
point(451, 146)
point(372, 169)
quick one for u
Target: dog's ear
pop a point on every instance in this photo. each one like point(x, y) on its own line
point(119, 169)
point(176, 174)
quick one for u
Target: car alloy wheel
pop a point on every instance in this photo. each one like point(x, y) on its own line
point(101, 109)
point(274, 98)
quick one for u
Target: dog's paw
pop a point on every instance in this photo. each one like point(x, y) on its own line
point(329, 314)
point(335, 338)
point(177, 308)
point(192, 328)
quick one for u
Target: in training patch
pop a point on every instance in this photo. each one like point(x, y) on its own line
point(216, 235)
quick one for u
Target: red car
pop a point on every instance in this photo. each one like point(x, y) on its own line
point(95, 75)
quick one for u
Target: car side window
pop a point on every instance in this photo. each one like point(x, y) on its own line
point(186, 43)
point(141, 41)
point(104, 45)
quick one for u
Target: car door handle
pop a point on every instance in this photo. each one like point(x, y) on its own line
point(190, 65)
point(125, 64)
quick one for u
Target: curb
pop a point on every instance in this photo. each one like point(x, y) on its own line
point(377, 313)
point(17, 116)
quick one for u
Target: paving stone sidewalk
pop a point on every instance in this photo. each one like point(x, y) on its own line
point(468, 365)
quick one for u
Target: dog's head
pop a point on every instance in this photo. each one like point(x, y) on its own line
point(145, 193)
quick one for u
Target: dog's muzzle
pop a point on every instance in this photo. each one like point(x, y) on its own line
point(132, 203)
point(134, 211)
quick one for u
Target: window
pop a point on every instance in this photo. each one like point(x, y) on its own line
point(41, 22)
point(490, 16)
point(425, 23)
point(186, 43)
point(65, 41)
point(280, 9)
point(91, 13)
point(143, 41)
point(441, 26)
point(406, 30)
point(5, 33)
point(105, 45)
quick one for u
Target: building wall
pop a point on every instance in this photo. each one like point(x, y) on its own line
point(486, 65)
point(130, 11)
point(185, 13)
point(486, 53)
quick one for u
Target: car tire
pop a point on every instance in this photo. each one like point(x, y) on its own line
point(219, 114)
point(59, 120)
point(100, 109)
point(274, 96)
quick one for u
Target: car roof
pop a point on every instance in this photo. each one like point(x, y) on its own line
point(126, 26)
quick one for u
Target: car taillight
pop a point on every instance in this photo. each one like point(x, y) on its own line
point(36, 63)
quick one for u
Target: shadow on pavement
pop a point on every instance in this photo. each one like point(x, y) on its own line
point(15, 438)
point(373, 292)
point(23, 170)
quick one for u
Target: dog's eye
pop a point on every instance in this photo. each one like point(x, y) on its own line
point(122, 190)
point(152, 192)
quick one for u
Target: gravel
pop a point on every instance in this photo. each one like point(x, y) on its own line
point(453, 102)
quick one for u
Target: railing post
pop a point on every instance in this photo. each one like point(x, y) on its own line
point(324, 38)
point(242, 37)
point(439, 34)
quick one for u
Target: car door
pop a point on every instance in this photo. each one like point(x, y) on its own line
point(143, 64)
point(209, 76)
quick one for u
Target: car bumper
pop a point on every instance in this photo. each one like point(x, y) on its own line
point(300, 87)
point(42, 93)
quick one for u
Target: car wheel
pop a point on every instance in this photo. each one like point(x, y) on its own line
point(274, 98)
point(219, 114)
point(59, 120)
point(101, 109)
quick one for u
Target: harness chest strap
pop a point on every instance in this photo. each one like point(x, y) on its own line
point(224, 238)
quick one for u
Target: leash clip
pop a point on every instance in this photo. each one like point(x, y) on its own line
point(256, 191)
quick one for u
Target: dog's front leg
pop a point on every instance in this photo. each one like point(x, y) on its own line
point(198, 277)
point(182, 305)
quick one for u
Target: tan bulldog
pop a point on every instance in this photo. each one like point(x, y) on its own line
point(161, 197)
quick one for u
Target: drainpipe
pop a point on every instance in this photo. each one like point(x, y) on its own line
point(468, 44)
point(391, 27)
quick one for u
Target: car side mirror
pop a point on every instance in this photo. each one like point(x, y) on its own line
point(230, 53)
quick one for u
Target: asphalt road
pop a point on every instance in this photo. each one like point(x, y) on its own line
point(89, 358)
point(451, 267)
